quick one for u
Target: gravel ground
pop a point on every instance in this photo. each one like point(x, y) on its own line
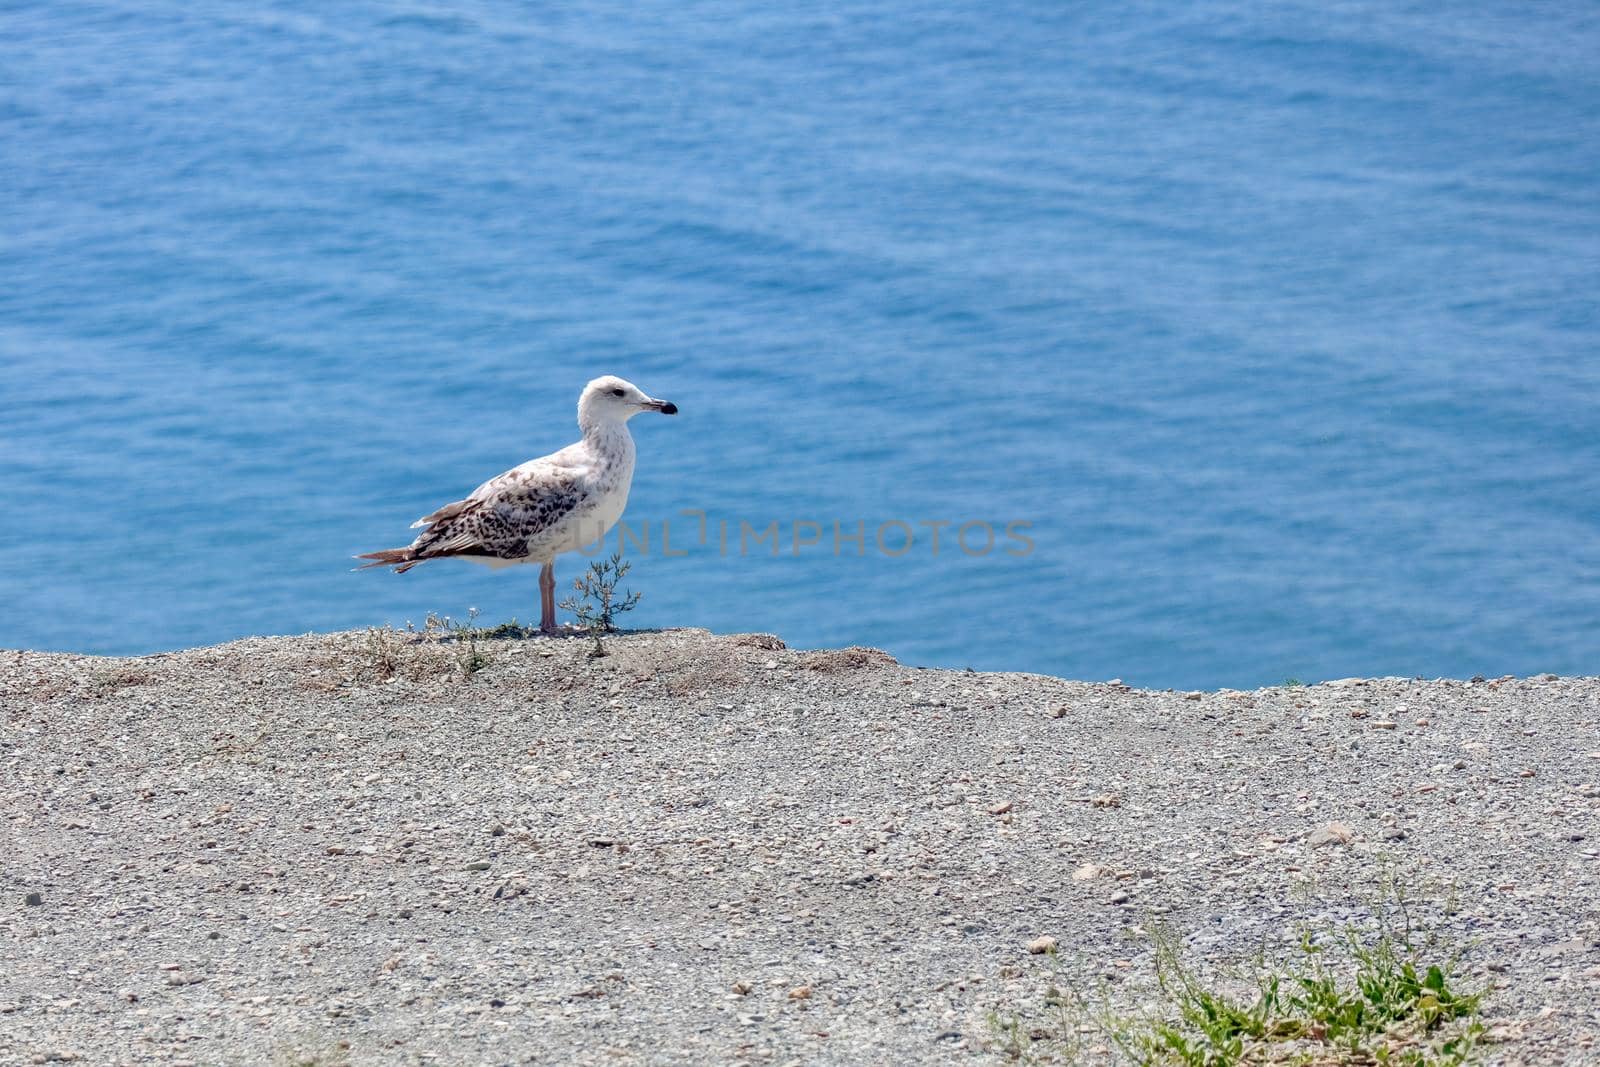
point(336, 849)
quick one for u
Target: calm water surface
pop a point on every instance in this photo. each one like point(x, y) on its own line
point(1278, 324)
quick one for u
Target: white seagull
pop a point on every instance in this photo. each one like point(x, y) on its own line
point(544, 507)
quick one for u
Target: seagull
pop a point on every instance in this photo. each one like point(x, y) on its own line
point(546, 506)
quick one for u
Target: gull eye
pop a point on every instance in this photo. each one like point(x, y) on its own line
point(616, 392)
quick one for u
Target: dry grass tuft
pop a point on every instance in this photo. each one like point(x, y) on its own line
point(764, 641)
point(846, 659)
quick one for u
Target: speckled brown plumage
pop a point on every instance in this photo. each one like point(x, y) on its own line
point(500, 524)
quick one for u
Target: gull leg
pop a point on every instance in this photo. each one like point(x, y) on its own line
point(547, 598)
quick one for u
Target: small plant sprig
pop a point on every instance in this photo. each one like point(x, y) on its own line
point(470, 656)
point(385, 652)
point(595, 600)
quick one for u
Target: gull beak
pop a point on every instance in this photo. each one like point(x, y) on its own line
point(666, 407)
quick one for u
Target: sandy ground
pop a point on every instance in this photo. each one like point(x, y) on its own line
point(336, 849)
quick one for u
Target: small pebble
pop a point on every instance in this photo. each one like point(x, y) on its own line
point(1334, 833)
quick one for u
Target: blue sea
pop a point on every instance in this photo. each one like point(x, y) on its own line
point(1271, 328)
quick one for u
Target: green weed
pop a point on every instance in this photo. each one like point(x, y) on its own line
point(595, 600)
point(1335, 999)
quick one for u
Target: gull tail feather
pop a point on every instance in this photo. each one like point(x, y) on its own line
point(401, 559)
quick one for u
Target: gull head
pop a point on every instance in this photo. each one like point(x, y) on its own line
point(613, 399)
